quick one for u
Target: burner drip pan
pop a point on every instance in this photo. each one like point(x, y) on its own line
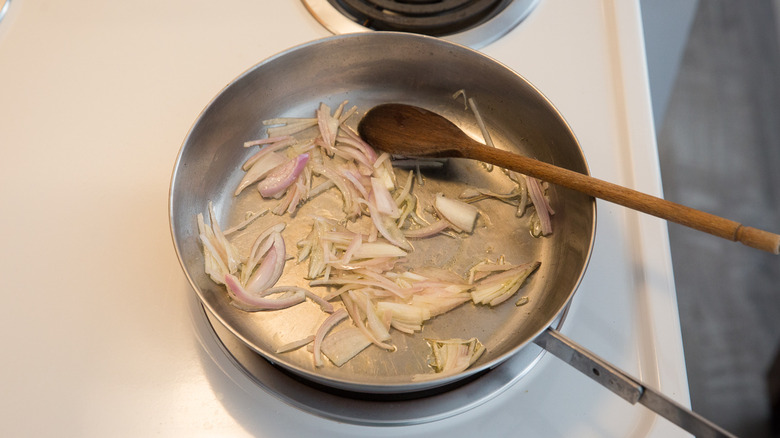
point(435, 18)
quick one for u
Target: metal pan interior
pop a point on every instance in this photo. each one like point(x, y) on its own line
point(369, 69)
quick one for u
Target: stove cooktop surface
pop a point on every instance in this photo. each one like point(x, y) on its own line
point(113, 352)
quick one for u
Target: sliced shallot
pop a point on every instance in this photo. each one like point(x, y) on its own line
point(259, 170)
point(294, 345)
point(249, 302)
point(271, 268)
point(343, 345)
point(497, 288)
point(452, 356)
point(385, 203)
point(282, 177)
point(463, 216)
point(324, 328)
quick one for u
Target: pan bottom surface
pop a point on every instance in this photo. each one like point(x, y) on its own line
point(254, 373)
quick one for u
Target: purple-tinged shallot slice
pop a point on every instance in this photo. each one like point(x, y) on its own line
point(543, 208)
point(325, 327)
point(282, 177)
point(271, 268)
point(250, 302)
point(461, 215)
point(259, 170)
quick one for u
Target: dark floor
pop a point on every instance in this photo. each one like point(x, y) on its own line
point(719, 147)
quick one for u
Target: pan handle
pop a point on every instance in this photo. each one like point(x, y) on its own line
point(626, 386)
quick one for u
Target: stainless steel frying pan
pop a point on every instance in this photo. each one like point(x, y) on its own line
point(369, 69)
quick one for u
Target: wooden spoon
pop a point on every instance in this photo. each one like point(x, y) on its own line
point(408, 130)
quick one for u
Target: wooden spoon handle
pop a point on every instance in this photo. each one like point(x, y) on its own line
point(633, 199)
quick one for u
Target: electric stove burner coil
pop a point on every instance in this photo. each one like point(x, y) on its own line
point(430, 17)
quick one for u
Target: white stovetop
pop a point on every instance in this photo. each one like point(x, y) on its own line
point(95, 100)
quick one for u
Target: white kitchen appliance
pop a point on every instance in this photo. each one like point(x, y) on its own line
point(105, 336)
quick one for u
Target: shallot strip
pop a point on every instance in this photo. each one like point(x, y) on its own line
point(474, 194)
point(356, 243)
point(428, 230)
point(215, 255)
point(283, 177)
point(462, 216)
point(482, 128)
point(374, 324)
point(300, 148)
point(245, 223)
point(259, 169)
point(403, 327)
point(543, 209)
point(522, 203)
point(328, 127)
point(288, 120)
point(370, 250)
point(341, 185)
point(384, 156)
point(249, 302)
point(324, 328)
point(351, 149)
point(405, 316)
point(361, 144)
point(271, 267)
point(354, 314)
point(255, 253)
point(343, 117)
point(294, 345)
point(285, 202)
point(320, 188)
point(292, 128)
point(342, 281)
point(345, 288)
point(382, 279)
point(396, 238)
point(326, 306)
point(385, 203)
point(441, 302)
point(378, 264)
point(486, 268)
point(259, 249)
point(266, 141)
point(480, 122)
point(296, 193)
point(343, 345)
point(281, 143)
point(461, 92)
point(406, 190)
point(339, 109)
point(455, 355)
point(351, 177)
point(223, 245)
point(498, 288)
point(351, 154)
